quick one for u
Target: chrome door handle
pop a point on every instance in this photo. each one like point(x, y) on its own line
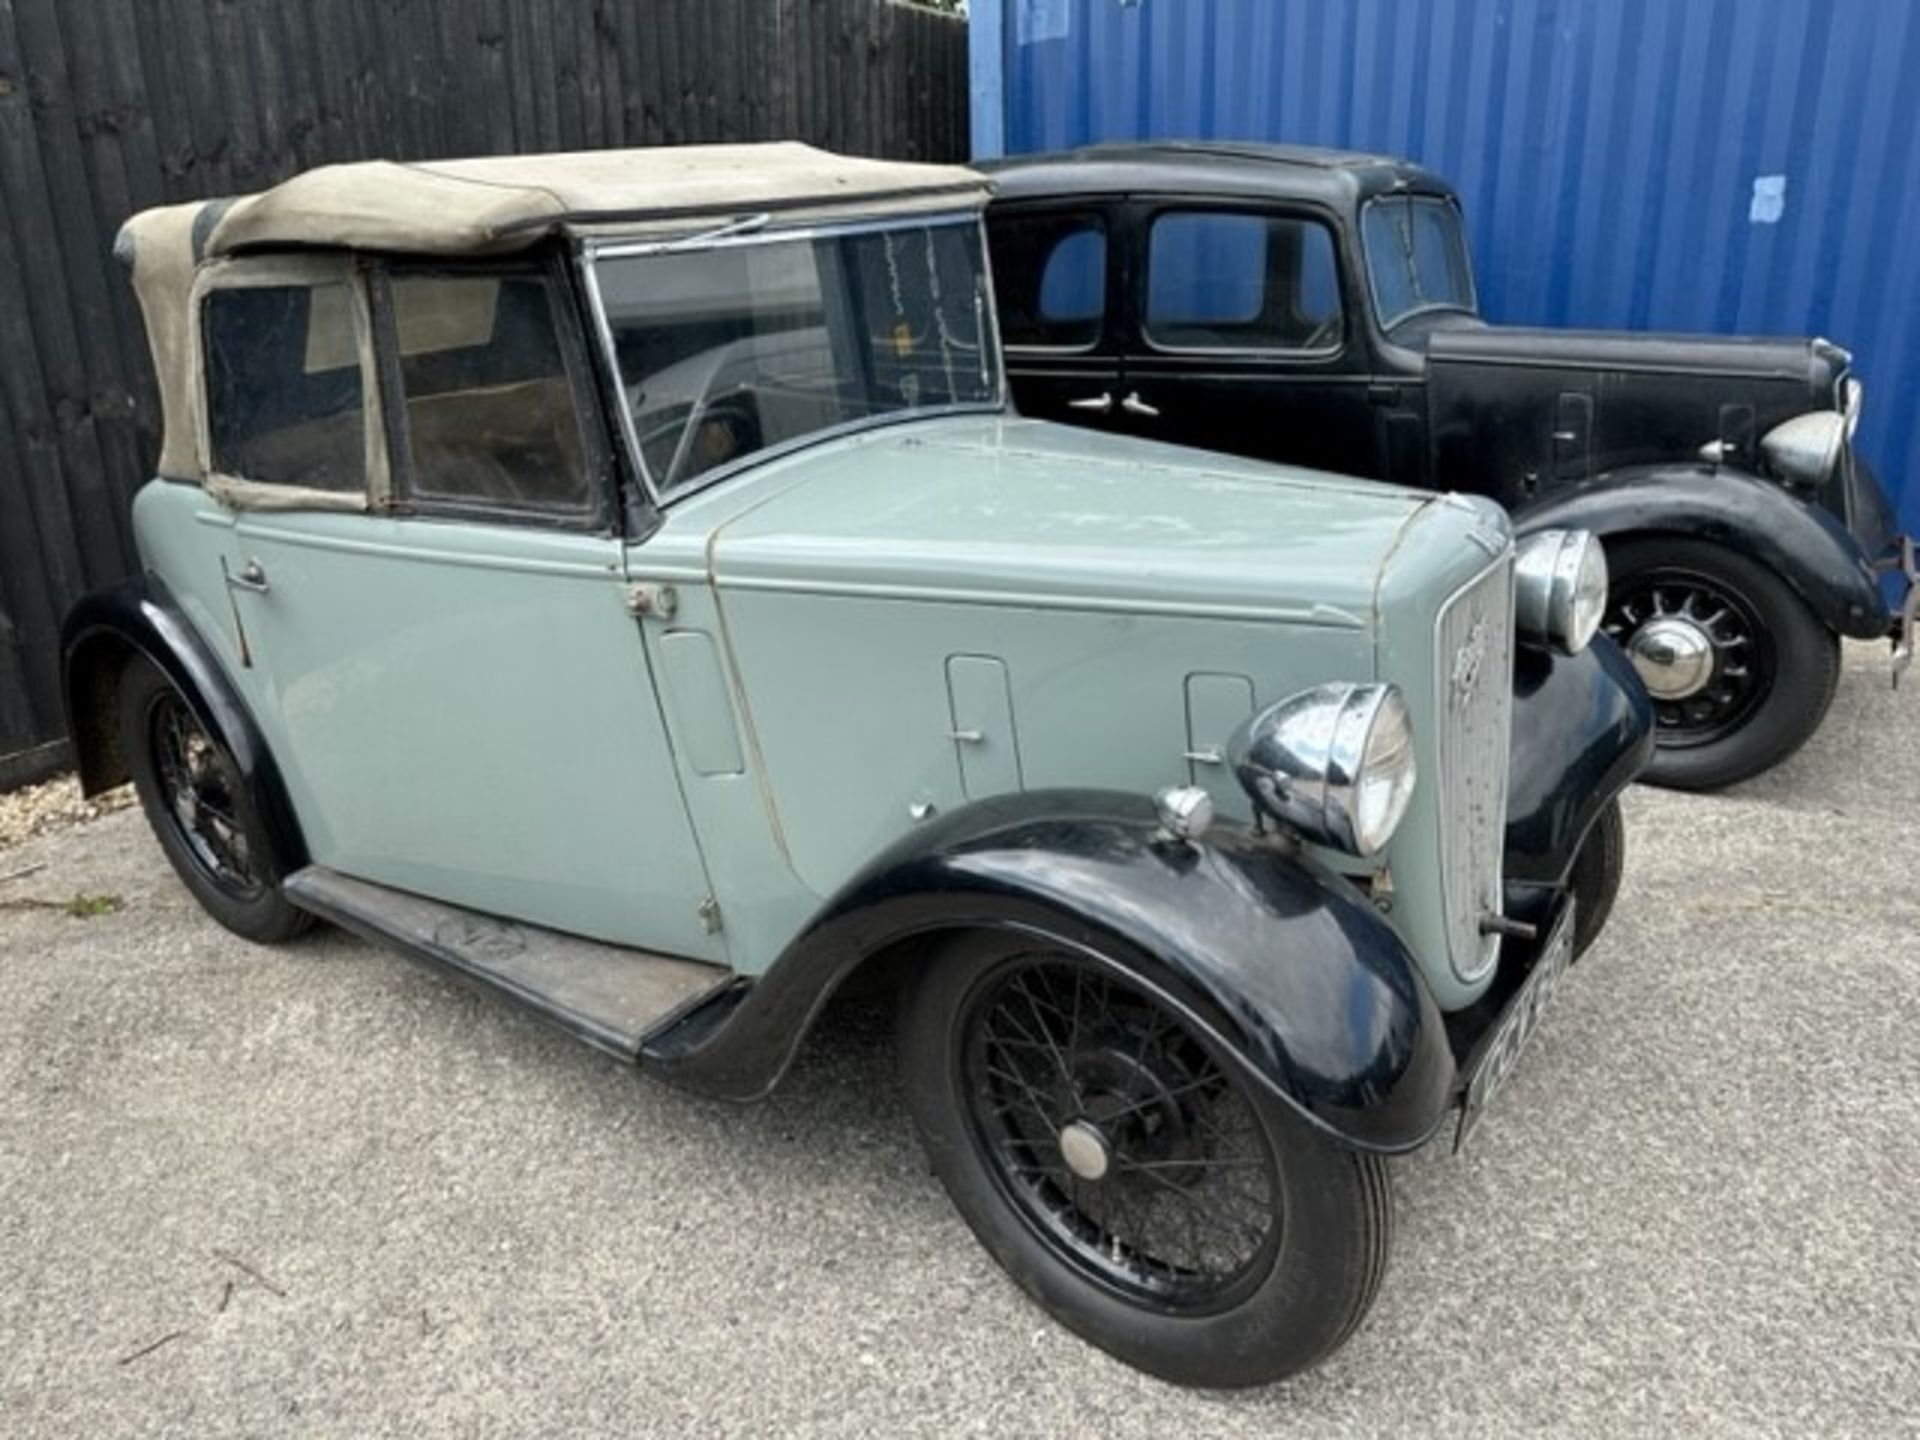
point(1100, 404)
point(1134, 405)
point(252, 578)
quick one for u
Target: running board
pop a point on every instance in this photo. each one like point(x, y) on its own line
point(609, 996)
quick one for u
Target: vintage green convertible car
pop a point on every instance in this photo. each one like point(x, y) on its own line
point(618, 577)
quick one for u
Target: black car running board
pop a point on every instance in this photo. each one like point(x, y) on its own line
point(609, 996)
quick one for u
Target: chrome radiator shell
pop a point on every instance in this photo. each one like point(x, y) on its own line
point(1473, 693)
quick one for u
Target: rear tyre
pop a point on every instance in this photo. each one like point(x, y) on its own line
point(1740, 670)
point(1130, 1174)
point(200, 810)
point(1595, 880)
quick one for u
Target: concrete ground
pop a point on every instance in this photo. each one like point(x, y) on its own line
point(322, 1190)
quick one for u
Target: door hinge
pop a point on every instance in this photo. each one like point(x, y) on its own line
point(709, 913)
point(657, 602)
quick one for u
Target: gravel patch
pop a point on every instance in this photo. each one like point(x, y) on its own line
point(53, 805)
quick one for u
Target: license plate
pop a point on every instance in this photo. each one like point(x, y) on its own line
point(1500, 1052)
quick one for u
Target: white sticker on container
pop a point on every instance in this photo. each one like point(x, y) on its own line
point(1769, 199)
point(1036, 21)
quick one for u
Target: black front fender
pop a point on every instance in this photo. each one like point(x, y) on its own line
point(1288, 966)
point(1582, 730)
point(1803, 544)
point(139, 617)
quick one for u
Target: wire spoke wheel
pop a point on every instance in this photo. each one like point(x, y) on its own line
point(1130, 1168)
point(202, 809)
point(197, 792)
point(1118, 1136)
point(1707, 658)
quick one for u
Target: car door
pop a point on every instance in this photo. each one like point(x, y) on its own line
point(1242, 336)
point(429, 596)
point(1056, 277)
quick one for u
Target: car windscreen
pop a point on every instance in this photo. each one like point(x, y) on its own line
point(1416, 257)
point(748, 345)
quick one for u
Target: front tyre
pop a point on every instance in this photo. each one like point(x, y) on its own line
point(1595, 880)
point(191, 791)
point(1130, 1174)
point(1740, 670)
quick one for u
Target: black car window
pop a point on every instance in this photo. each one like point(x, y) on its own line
point(491, 414)
point(1416, 257)
point(285, 401)
point(1050, 279)
point(1217, 280)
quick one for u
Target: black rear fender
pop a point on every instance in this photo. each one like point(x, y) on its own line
point(1804, 545)
point(138, 618)
point(1286, 965)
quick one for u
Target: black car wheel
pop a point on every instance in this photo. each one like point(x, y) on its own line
point(1130, 1174)
point(1595, 881)
point(200, 812)
point(1740, 670)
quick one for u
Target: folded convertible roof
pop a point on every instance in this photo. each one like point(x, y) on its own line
point(507, 202)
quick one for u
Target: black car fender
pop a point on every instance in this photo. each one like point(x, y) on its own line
point(1582, 730)
point(1804, 545)
point(1285, 964)
point(139, 617)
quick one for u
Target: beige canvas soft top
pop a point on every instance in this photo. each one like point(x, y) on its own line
point(494, 206)
point(460, 207)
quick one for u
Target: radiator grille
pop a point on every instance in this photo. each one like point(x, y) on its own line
point(1474, 700)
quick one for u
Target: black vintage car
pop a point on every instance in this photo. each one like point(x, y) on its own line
point(1318, 307)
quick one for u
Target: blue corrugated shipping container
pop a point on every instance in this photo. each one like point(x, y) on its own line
point(1746, 166)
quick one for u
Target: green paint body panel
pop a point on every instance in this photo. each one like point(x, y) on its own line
point(461, 711)
point(471, 712)
point(693, 683)
point(1096, 574)
point(1216, 706)
point(985, 741)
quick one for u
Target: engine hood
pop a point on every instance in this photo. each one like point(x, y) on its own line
point(996, 509)
point(1814, 364)
point(1515, 412)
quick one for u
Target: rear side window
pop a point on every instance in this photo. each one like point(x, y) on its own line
point(285, 399)
point(1050, 279)
point(491, 414)
point(1223, 281)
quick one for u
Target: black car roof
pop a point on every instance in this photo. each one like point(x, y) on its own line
point(1230, 167)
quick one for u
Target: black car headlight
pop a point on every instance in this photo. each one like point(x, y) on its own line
point(1560, 588)
point(1334, 763)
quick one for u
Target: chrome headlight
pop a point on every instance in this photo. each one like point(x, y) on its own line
point(1806, 448)
point(1560, 588)
point(1334, 763)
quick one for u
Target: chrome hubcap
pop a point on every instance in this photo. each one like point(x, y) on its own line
point(1085, 1150)
point(1674, 657)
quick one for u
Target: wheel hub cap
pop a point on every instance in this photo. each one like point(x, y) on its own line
point(1673, 656)
point(1085, 1150)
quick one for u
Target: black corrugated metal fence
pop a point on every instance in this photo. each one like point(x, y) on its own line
point(109, 106)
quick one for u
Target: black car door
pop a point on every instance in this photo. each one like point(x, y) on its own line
point(1244, 337)
point(1056, 277)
